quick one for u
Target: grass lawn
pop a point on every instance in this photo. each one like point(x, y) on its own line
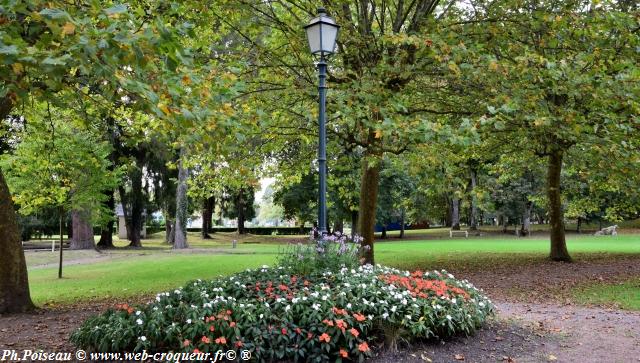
point(124, 273)
point(625, 295)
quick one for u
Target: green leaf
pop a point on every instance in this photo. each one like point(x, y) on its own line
point(118, 9)
point(9, 50)
point(54, 14)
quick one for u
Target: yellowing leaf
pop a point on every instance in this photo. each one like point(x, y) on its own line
point(378, 134)
point(164, 108)
point(18, 68)
point(68, 28)
point(186, 79)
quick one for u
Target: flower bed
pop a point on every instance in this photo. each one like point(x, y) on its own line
point(278, 315)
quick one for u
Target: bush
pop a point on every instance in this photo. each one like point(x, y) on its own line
point(277, 314)
point(327, 253)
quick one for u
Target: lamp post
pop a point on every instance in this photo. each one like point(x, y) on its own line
point(322, 32)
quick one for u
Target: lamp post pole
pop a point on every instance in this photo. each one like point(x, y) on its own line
point(322, 32)
point(322, 147)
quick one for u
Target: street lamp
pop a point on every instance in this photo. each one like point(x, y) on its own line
point(322, 32)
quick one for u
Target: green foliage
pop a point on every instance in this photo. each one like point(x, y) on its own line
point(326, 253)
point(278, 315)
point(58, 163)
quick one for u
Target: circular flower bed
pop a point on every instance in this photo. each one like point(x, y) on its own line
point(278, 315)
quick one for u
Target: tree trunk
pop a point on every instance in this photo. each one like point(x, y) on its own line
point(181, 205)
point(61, 224)
point(14, 283)
point(206, 218)
point(82, 231)
point(137, 206)
point(106, 234)
point(556, 217)
point(338, 226)
point(455, 214)
point(167, 231)
point(402, 223)
point(526, 219)
point(172, 233)
point(473, 218)
point(125, 211)
point(579, 226)
point(368, 200)
point(207, 215)
point(354, 223)
point(505, 223)
point(241, 208)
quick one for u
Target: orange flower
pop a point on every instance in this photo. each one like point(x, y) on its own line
point(206, 340)
point(239, 344)
point(232, 324)
point(212, 328)
point(325, 337)
point(354, 332)
point(364, 347)
point(186, 343)
point(343, 353)
point(221, 340)
point(298, 330)
point(359, 317)
point(228, 312)
point(328, 322)
point(284, 331)
point(196, 351)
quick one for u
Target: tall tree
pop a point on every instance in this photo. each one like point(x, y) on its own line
point(561, 76)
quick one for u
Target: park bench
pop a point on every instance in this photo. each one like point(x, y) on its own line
point(452, 232)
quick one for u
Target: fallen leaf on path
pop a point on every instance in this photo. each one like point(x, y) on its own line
point(425, 358)
point(458, 357)
point(552, 357)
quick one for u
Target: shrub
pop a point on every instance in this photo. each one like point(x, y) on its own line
point(326, 253)
point(278, 315)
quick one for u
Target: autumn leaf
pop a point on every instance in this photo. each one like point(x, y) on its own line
point(164, 109)
point(18, 68)
point(68, 28)
point(378, 134)
point(458, 357)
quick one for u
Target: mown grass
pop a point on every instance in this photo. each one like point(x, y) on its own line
point(625, 295)
point(155, 268)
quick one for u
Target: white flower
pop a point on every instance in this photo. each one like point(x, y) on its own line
point(315, 307)
point(143, 338)
point(139, 321)
point(453, 301)
point(138, 312)
point(385, 315)
point(349, 306)
point(393, 309)
point(481, 304)
point(449, 317)
point(261, 316)
point(404, 301)
point(188, 321)
point(287, 308)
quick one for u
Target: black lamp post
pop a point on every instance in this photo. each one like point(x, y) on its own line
point(322, 32)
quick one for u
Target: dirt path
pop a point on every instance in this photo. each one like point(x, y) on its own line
point(581, 334)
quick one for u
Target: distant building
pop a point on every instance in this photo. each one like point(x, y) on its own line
point(122, 227)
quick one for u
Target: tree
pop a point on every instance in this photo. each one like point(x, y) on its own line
point(560, 77)
point(100, 52)
point(388, 90)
